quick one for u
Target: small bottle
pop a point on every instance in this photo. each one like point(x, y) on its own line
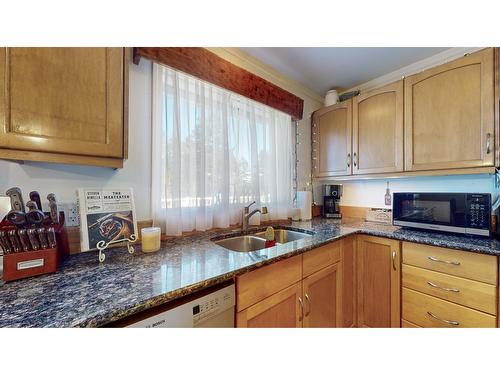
point(387, 195)
point(270, 241)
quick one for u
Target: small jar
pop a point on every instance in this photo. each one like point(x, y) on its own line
point(150, 239)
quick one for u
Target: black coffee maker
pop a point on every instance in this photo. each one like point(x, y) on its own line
point(331, 201)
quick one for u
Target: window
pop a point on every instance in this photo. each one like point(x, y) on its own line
point(213, 152)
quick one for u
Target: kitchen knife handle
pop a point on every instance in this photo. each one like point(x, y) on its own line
point(35, 197)
point(35, 245)
point(16, 199)
point(42, 236)
point(23, 237)
point(16, 245)
point(54, 213)
point(51, 237)
point(5, 243)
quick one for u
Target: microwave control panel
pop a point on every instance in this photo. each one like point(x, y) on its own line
point(479, 206)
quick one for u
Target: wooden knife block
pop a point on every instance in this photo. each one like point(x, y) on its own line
point(36, 262)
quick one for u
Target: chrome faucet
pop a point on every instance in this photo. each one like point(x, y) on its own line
point(247, 215)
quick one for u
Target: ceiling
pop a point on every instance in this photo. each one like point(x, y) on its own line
point(324, 68)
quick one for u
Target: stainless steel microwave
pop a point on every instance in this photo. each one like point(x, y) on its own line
point(466, 213)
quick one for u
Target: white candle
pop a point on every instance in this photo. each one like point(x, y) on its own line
point(150, 239)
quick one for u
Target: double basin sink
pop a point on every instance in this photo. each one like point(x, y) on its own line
point(256, 241)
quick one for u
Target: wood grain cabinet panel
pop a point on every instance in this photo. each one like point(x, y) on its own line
point(261, 283)
point(378, 284)
point(323, 298)
point(281, 310)
point(479, 267)
point(473, 294)
point(377, 130)
point(331, 140)
point(349, 282)
point(63, 101)
point(449, 115)
point(319, 258)
point(431, 312)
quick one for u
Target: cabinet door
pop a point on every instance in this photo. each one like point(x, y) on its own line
point(449, 115)
point(323, 298)
point(62, 100)
point(349, 282)
point(331, 137)
point(378, 287)
point(281, 310)
point(377, 130)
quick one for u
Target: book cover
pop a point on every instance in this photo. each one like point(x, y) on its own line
point(105, 215)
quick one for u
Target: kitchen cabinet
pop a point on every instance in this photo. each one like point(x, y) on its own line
point(65, 105)
point(322, 298)
point(377, 130)
point(331, 140)
point(349, 282)
point(448, 288)
point(280, 310)
point(449, 115)
point(378, 282)
point(301, 291)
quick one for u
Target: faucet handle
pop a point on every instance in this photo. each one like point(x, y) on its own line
point(264, 210)
point(247, 208)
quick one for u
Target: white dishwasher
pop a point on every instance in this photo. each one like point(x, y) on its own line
point(213, 310)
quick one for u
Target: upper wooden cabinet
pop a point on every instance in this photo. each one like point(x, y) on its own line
point(63, 105)
point(379, 281)
point(449, 115)
point(377, 130)
point(331, 140)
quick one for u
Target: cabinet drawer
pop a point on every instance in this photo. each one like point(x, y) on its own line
point(321, 257)
point(473, 266)
point(428, 311)
point(254, 286)
point(474, 294)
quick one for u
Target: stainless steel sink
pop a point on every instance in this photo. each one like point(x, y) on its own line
point(285, 235)
point(242, 243)
point(253, 242)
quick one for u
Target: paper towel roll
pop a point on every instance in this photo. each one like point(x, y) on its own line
point(304, 203)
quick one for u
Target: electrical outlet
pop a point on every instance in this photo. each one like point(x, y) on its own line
point(71, 214)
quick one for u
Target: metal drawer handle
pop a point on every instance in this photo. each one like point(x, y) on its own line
point(450, 322)
point(301, 309)
point(348, 160)
point(454, 290)
point(452, 262)
point(394, 260)
point(308, 311)
point(355, 159)
point(488, 142)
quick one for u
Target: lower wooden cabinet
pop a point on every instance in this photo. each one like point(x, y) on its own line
point(378, 282)
point(323, 299)
point(271, 296)
point(281, 310)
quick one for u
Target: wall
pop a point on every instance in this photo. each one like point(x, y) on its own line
point(63, 180)
point(370, 193)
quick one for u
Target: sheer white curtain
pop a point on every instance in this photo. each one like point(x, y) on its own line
point(214, 152)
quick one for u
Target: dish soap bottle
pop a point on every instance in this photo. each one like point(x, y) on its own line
point(270, 241)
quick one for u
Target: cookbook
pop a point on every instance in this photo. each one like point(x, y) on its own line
point(105, 215)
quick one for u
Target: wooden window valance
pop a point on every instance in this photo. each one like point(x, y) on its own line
point(209, 67)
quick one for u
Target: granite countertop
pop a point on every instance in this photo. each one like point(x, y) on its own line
point(85, 293)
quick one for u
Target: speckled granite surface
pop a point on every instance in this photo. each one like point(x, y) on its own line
point(86, 293)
